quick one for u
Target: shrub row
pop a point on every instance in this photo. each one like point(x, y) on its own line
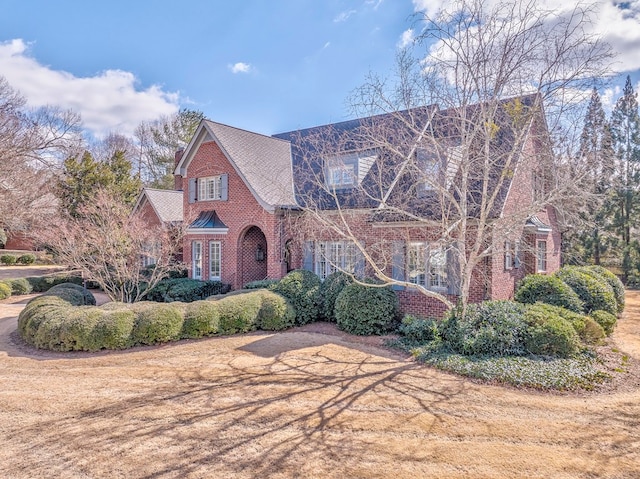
point(10, 259)
point(38, 284)
point(367, 309)
point(56, 321)
point(185, 290)
point(302, 289)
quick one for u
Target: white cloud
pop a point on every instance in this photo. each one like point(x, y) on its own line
point(374, 3)
point(108, 101)
point(407, 38)
point(344, 16)
point(326, 45)
point(240, 67)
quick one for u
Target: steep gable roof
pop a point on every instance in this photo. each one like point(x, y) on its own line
point(263, 162)
point(167, 204)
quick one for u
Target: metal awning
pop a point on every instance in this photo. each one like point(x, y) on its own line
point(208, 222)
point(537, 224)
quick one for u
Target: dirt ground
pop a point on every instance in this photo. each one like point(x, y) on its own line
point(305, 403)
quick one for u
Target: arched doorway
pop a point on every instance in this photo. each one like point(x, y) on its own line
point(253, 255)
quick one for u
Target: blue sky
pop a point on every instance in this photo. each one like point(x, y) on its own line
point(267, 66)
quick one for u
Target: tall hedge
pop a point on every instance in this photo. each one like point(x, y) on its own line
point(367, 309)
point(302, 289)
point(330, 289)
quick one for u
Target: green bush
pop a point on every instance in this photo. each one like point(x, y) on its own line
point(553, 337)
point(262, 284)
point(276, 313)
point(418, 330)
point(302, 289)
point(26, 259)
point(113, 329)
point(594, 293)
point(330, 289)
point(363, 310)
point(34, 313)
point(76, 330)
point(605, 319)
point(40, 284)
point(202, 318)
point(19, 286)
point(158, 323)
point(586, 328)
point(73, 293)
point(185, 289)
point(495, 328)
point(612, 280)
point(5, 290)
point(239, 314)
point(8, 259)
point(548, 289)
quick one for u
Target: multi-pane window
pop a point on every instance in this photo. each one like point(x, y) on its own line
point(215, 260)
point(341, 175)
point(210, 188)
point(541, 256)
point(150, 254)
point(429, 165)
point(196, 259)
point(332, 256)
point(508, 255)
point(348, 169)
point(427, 266)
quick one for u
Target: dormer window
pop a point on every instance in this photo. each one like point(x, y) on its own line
point(349, 169)
point(210, 188)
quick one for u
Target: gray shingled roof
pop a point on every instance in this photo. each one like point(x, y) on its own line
point(166, 203)
point(263, 161)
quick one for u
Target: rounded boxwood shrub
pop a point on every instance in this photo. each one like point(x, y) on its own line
point(73, 293)
point(594, 293)
point(76, 330)
point(262, 284)
point(8, 259)
point(612, 280)
point(5, 290)
point(587, 329)
point(418, 330)
point(366, 309)
point(276, 313)
point(19, 286)
point(495, 328)
point(605, 319)
point(157, 323)
point(26, 259)
point(185, 289)
point(330, 288)
point(548, 289)
point(553, 337)
point(239, 314)
point(113, 329)
point(41, 284)
point(201, 318)
point(302, 289)
point(34, 313)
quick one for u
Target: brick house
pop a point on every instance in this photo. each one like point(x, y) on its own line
point(250, 197)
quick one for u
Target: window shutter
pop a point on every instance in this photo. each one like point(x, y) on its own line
point(307, 261)
point(397, 263)
point(224, 187)
point(453, 272)
point(193, 190)
point(359, 266)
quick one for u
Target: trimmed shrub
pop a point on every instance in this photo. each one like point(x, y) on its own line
point(5, 290)
point(201, 318)
point(612, 280)
point(605, 319)
point(262, 284)
point(495, 328)
point(19, 286)
point(73, 293)
point(302, 289)
point(364, 310)
point(8, 259)
point(35, 312)
point(26, 259)
point(157, 323)
point(548, 289)
point(76, 330)
point(276, 313)
point(185, 289)
point(594, 293)
point(417, 329)
point(113, 329)
point(553, 337)
point(40, 284)
point(586, 328)
point(330, 289)
point(239, 314)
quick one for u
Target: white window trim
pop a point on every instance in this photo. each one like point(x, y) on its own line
point(541, 261)
point(508, 256)
point(210, 188)
point(332, 256)
point(425, 278)
point(218, 276)
point(196, 260)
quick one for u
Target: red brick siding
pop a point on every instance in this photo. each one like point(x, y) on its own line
point(18, 240)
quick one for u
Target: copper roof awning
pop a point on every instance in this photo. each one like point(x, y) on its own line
point(208, 220)
point(536, 223)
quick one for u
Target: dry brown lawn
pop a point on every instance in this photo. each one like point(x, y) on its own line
point(298, 404)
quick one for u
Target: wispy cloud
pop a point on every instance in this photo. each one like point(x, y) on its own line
point(240, 67)
point(407, 38)
point(326, 45)
point(109, 101)
point(373, 3)
point(344, 16)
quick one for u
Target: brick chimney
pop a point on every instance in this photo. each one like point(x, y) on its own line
point(177, 179)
